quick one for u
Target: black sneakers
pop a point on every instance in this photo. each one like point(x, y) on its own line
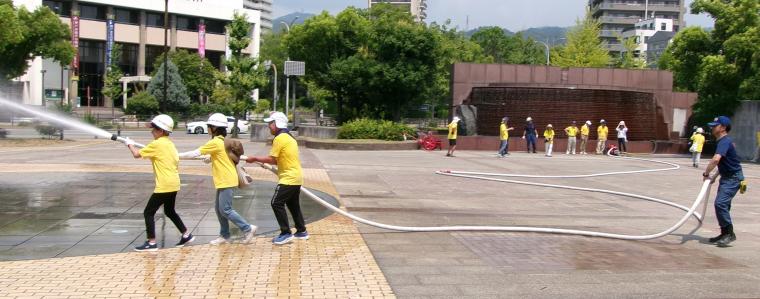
point(727, 239)
point(183, 241)
point(147, 247)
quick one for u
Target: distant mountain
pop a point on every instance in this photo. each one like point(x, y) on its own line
point(555, 35)
point(299, 17)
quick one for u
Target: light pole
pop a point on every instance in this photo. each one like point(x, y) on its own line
point(547, 51)
point(43, 87)
point(274, 90)
point(287, 78)
point(166, 48)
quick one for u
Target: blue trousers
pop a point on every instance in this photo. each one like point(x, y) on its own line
point(226, 214)
point(504, 147)
point(727, 188)
point(531, 139)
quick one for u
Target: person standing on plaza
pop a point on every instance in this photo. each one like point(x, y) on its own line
point(622, 136)
point(530, 134)
point(284, 154)
point(549, 139)
point(504, 137)
point(697, 141)
point(453, 127)
point(730, 170)
point(585, 131)
point(225, 180)
point(572, 132)
point(601, 132)
point(163, 155)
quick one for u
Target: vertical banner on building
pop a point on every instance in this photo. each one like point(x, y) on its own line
point(202, 40)
point(75, 41)
point(109, 40)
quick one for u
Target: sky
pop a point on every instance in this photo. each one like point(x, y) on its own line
point(514, 15)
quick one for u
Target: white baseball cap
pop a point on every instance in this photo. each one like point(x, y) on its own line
point(529, 118)
point(456, 119)
point(279, 119)
point(700, 130)
point(588, 122)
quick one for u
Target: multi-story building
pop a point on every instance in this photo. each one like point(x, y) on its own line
point(265, 7)
point(643, 31)
point(138, 27)
point(416, 7)
point(619, 15)
point(656, 46)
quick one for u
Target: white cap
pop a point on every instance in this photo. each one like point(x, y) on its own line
point(602, 121)
point(588, 122)
point(163, 122)
point(549, 126)
point(529, 118)
point(700, 130)
point(456, 119)
point(217, 120)
point(279, 119)
point(621, 123)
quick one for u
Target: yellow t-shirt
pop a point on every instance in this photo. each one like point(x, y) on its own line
point(549, 135)
point(602, 132)
point(758, 138)
point(503, 132)
point(571, 131)
point(163, 155)
point(285, 150)
point(584, 130)
point(222, 169)
point(453, 130)
point(699, 140)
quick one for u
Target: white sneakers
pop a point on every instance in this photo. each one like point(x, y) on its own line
point(246, 239)
point(219, 241)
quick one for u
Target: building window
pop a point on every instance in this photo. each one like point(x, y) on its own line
point(128, 59)
point(92, 12)
point(126, 16)
point(91, 69)
point(61, 8)
point(215, 57)
point(663, 26)
point(187, 23)
point(154, 19)
point(151, 54)
point(214, 26)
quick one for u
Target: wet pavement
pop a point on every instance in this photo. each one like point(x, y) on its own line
point(44, 215)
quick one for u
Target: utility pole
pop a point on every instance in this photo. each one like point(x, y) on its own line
point(166, 48)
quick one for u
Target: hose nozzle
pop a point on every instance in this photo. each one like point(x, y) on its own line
point(114, 137)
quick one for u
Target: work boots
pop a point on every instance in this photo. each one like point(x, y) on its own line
point(718, 237)
point(728, 237)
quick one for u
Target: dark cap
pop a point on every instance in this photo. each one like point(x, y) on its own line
point(720, 120)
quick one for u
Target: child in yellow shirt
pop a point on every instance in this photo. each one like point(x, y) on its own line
point(549, 139)
point(698, 140)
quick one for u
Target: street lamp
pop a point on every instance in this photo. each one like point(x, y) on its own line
point(267, 64)
point(43, 86)
point(166, 47)
point(547, 51)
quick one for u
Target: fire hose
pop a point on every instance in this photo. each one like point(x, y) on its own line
point(690, 211)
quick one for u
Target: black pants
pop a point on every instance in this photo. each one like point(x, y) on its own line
point(621, 145)
point(288, 195)
point(155, 201)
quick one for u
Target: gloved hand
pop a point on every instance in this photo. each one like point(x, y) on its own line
point(128, 141)
point(207, 159)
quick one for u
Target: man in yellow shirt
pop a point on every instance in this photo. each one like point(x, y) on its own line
point(225, 180)
point(504, 137)
point(453, 126)
point(698, 140)
point(572, 132)
point(284, 154)
point(549, 139)
point(585, 130)
point(163, 155)
point(601, 132)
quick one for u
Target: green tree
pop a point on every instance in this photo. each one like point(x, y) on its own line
point(584, 48)
point(197, 73)
point(493, 41)
point(243, 74)
point(112, 88)
point(628, 59)
point(722, 66)
point(27, 34)
point(176, 99)
point(514, 49)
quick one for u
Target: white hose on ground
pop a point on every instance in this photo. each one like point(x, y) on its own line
point(691, 211)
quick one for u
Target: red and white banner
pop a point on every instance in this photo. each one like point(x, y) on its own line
point(75, 41)
point(202, 40)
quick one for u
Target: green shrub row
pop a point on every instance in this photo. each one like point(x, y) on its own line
point(365, 128)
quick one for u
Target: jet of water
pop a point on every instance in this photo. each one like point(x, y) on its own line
point(58, 119)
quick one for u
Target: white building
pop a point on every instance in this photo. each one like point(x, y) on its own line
point(137, 25)
point(265, 7)
point(645, 29)
point(416, 7)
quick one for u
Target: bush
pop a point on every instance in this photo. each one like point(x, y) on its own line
point(364, 128)
point(142, 104)
point(204, 110)
point(89, 118)
point(263, 105)
point(46, 130)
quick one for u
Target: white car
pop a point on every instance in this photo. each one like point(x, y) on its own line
point(200, 127)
